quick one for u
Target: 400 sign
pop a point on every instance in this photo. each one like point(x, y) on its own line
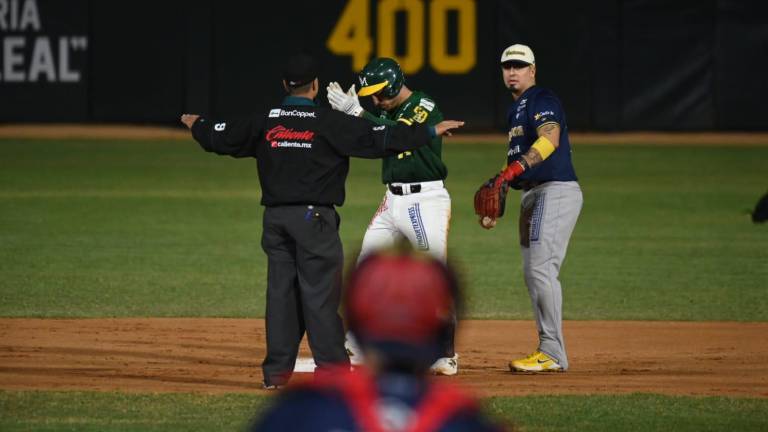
point(351, 35)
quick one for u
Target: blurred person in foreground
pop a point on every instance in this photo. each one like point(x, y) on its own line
point(398, 304)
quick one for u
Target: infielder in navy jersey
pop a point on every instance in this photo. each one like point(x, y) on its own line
point(539, 163)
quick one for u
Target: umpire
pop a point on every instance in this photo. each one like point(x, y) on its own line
point(302, 152)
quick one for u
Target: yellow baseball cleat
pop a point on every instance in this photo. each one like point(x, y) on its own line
point(536, 362)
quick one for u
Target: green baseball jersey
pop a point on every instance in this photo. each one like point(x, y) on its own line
point(424, 164)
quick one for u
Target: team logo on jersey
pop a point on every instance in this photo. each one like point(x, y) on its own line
point(280, 136)
point(419, 114)
point(516, 131)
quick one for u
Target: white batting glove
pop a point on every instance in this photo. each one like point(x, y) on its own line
point(335, 95)
point(352, 93)
point(345, 102)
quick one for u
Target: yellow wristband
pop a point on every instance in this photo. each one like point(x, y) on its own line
point(544, 147)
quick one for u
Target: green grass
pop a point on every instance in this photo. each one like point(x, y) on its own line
point(93, 411)
point(635, 412)
point(132, 228)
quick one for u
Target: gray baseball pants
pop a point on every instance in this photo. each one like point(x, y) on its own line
point(548, 214)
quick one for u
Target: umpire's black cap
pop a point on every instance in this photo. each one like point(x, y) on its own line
point(299, 70)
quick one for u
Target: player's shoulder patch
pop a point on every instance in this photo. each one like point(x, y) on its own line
point(427, 103)
point(420, 114)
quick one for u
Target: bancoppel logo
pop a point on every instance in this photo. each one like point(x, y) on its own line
point(378, 128)
point(543, 114)
point(218, 127)
point(278, 112)
point(296, 113)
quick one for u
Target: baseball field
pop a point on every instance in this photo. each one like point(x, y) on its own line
point(132, 285)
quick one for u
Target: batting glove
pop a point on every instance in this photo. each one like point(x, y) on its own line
point(345, 102)
point(511, 171)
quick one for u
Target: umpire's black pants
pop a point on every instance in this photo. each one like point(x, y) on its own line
point(305, 261)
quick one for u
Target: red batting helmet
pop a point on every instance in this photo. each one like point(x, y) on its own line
point(402, 303)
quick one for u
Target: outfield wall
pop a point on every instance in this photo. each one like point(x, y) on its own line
point(618, 65)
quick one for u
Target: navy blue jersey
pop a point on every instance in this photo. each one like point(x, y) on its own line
point(326, 409)
point(534, 108)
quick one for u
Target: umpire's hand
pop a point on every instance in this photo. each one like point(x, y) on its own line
point(189, 119)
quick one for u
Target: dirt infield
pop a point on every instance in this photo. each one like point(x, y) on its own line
point(223, 355)
point(121, 131)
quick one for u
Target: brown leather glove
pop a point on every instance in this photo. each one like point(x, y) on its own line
point(489, 201)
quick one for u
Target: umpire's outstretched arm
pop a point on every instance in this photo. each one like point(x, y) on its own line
point(237, 137)
point(355, 136)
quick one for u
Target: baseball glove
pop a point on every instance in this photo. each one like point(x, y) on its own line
point(489, 202)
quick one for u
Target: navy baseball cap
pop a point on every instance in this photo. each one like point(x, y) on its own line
point(299, 70)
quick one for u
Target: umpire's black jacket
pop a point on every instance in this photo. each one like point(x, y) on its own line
point(303, 150)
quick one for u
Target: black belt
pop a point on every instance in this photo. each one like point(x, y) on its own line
point(398, 190)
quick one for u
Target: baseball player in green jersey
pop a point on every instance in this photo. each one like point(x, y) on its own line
point(416, 205)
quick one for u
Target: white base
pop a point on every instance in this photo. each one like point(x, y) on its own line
point(305, 365)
